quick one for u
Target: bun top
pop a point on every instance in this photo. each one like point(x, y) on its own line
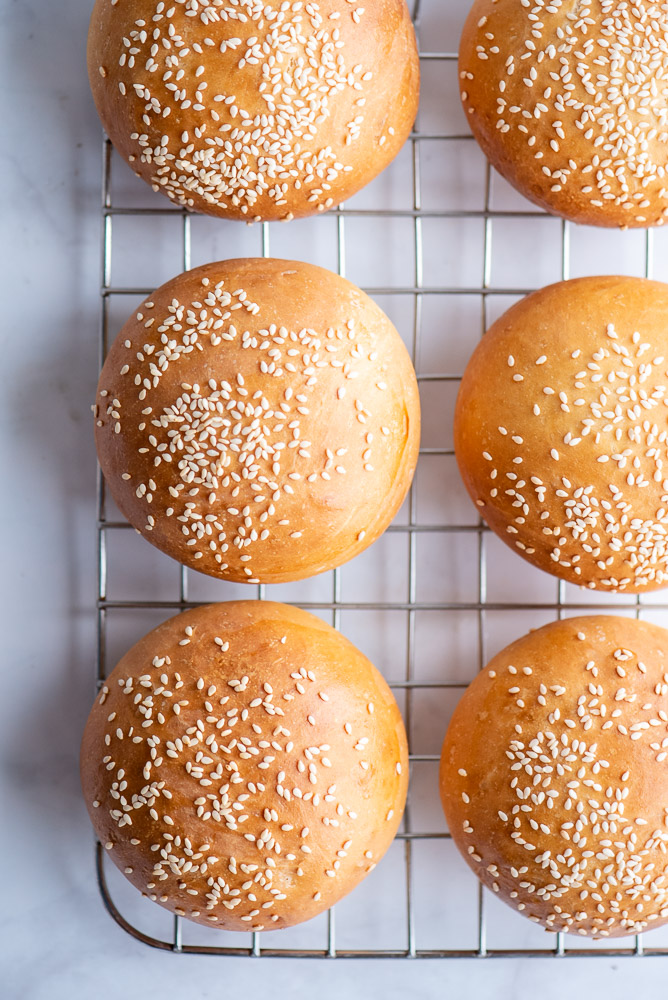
point(561, 431)
point(553, 776)
point(255, 108)
point(568, 99)
point(258, 420)
point(245, 766)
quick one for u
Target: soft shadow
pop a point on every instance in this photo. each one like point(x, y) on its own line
point(49, 401)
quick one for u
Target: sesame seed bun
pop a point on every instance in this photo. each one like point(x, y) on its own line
point(245, 766)
point(553, 776)
point(561, 430)
point(256, 109)
point(567, 98)
point(258, 420)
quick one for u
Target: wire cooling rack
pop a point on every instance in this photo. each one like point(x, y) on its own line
point(444, 246)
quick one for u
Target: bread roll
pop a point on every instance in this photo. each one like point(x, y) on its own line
point(568, 100)
point(554, 780)
point(258, 420)
point(255, 109)
point(560, 431)
point(245, 765)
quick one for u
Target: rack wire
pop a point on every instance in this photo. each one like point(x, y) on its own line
point(412, 527)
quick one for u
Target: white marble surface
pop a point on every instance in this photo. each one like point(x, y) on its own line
point(56, 940)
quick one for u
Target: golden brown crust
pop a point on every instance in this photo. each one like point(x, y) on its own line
point(561, 430)
point(251, 109)
point(568, 102)
point(263, 424)
point(553, 776)
point(245, 765)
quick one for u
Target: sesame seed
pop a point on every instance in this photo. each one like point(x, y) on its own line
point(232, 468)
point(233, 155)
point(607, 106)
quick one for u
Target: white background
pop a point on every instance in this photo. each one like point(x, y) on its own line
point(56, 939)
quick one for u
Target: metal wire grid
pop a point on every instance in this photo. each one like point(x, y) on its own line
point(409, 685)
